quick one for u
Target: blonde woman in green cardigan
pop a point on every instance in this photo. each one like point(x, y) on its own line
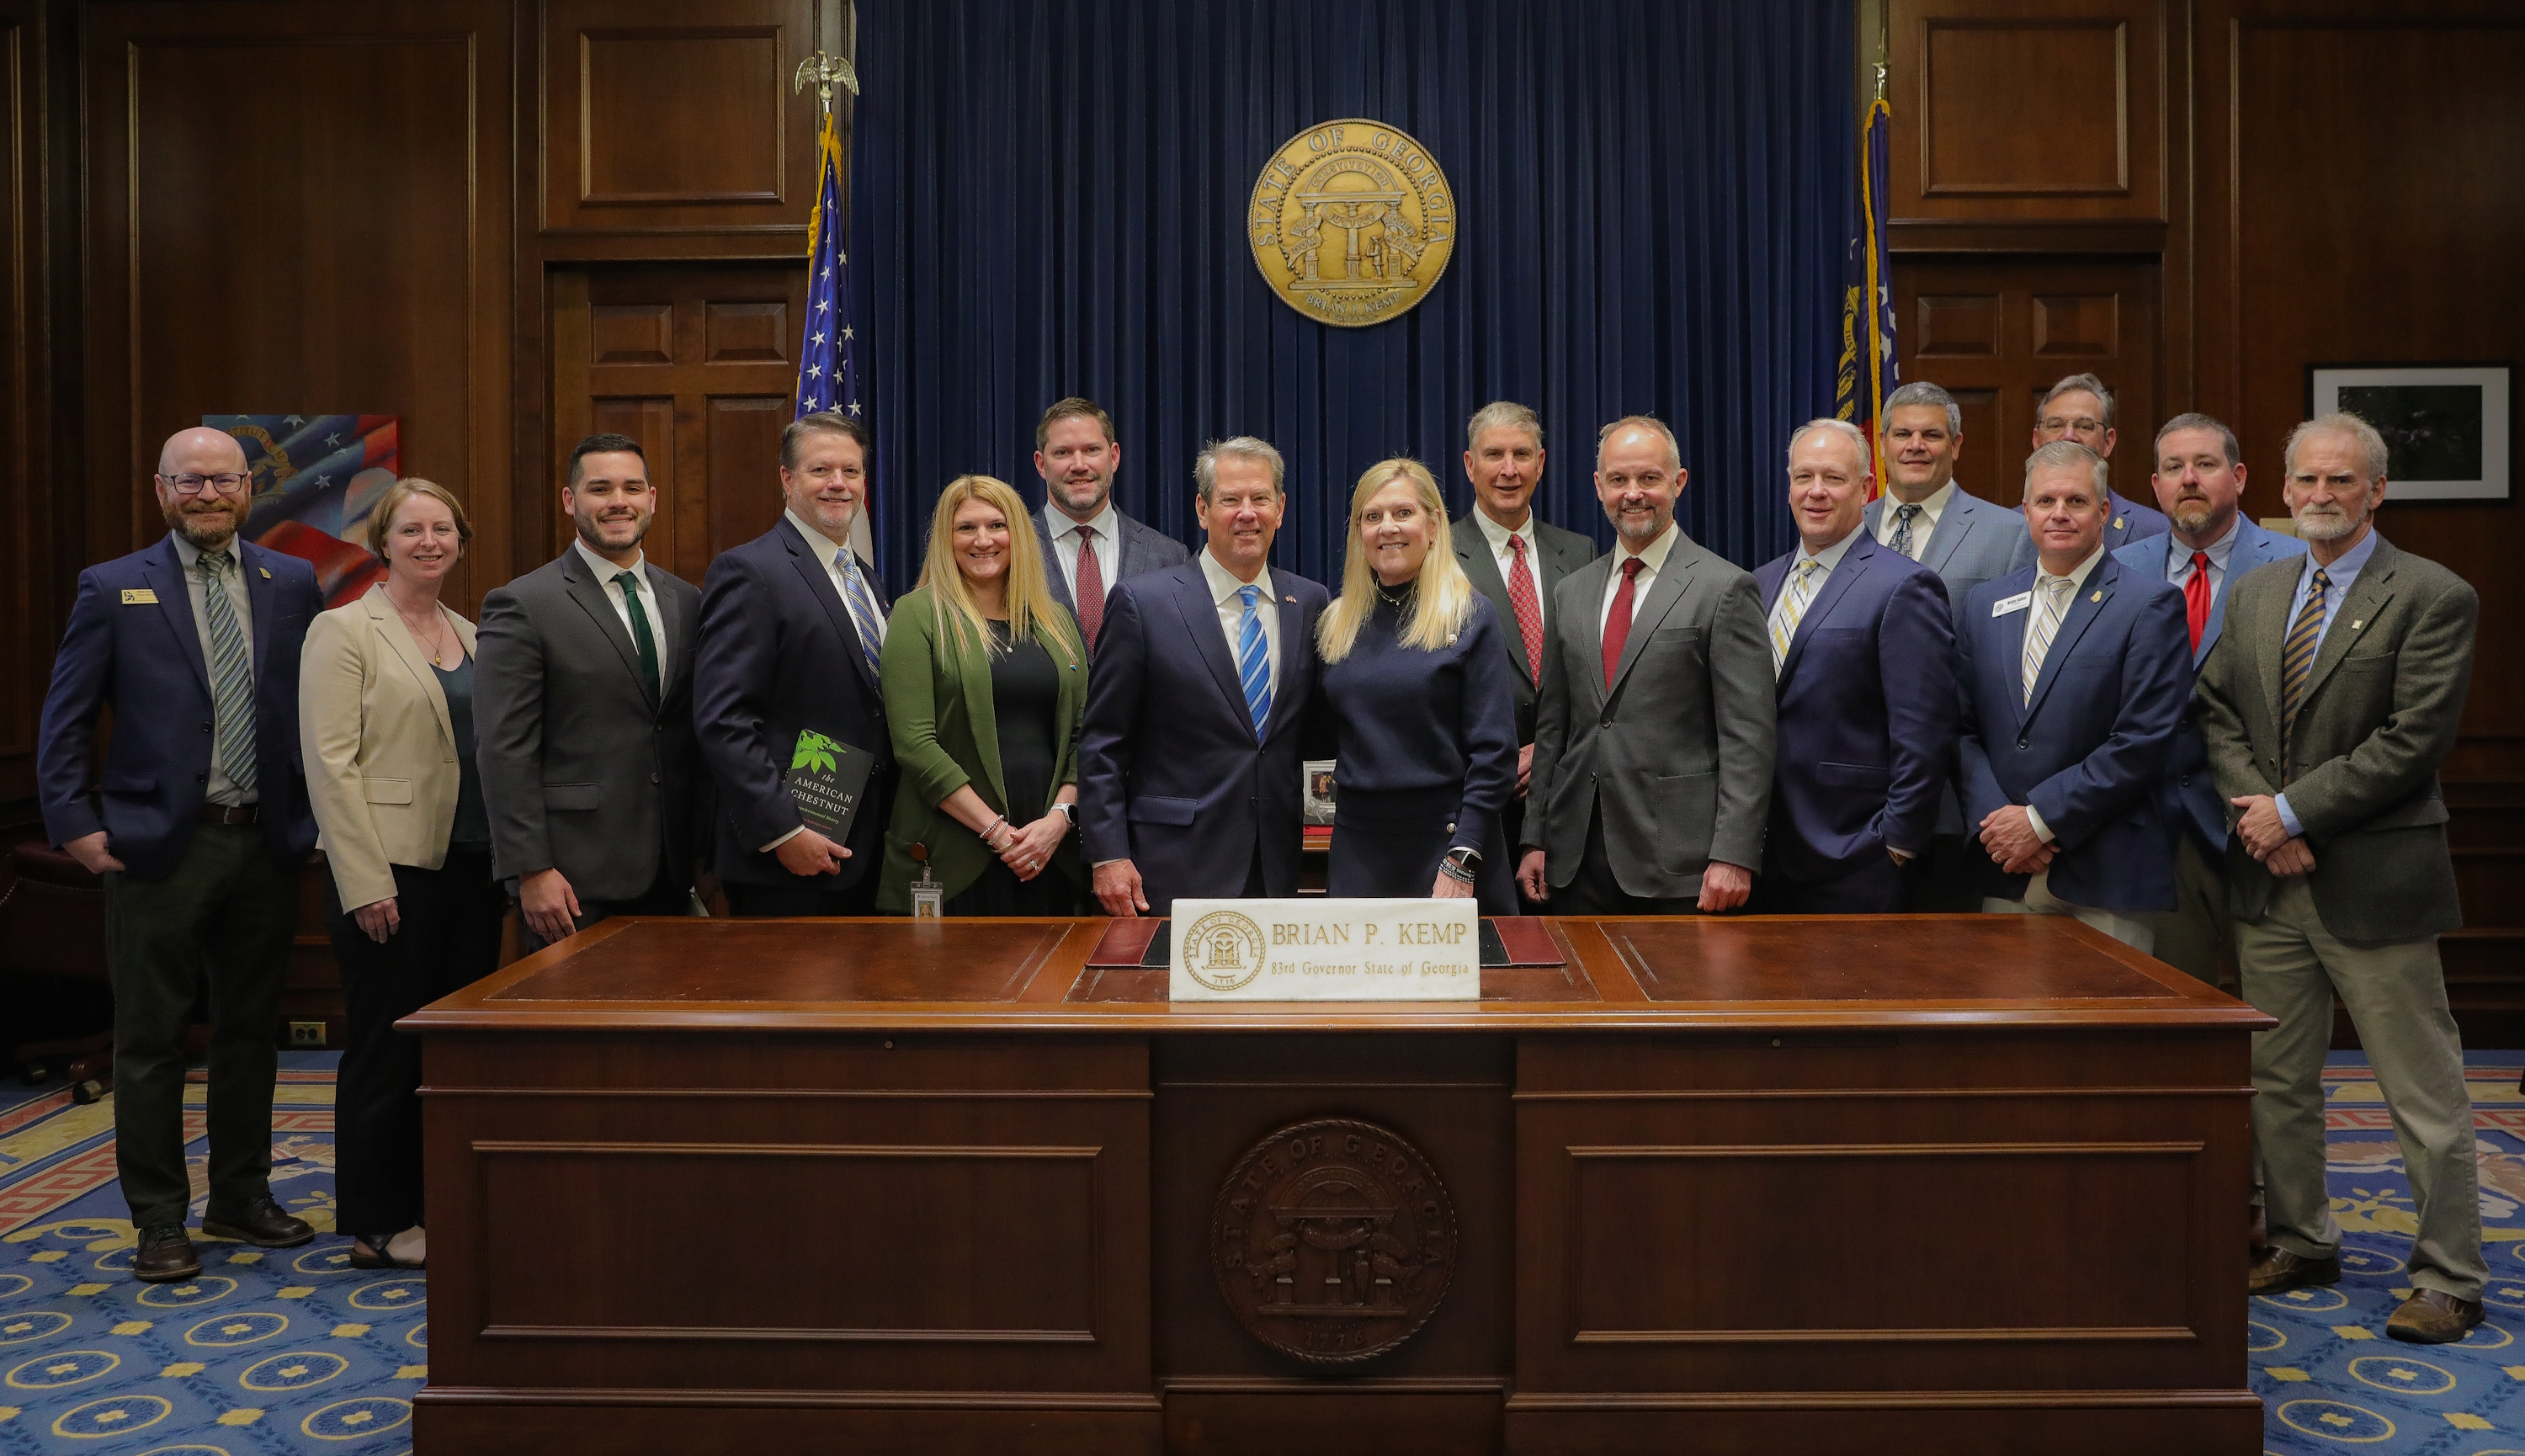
point(985, 684)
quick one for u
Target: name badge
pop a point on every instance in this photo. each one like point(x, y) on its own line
point(1325, 950)
point(2008, 604)
point(139, 597)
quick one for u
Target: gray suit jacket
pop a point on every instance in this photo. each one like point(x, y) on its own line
point(1142, 550)
point(2361, 769)
point(1676, 756)
point(583, 769)
point(1974, 543)
point(1557, 553)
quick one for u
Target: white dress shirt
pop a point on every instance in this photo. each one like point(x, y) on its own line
point(2077, 580)
point(1505, 556)
point(2178, 559)
point(1108, 526)
point(606, 574)
point(223, 789)
point(1923, 526)
point(1225, 589)
point(1652, 561)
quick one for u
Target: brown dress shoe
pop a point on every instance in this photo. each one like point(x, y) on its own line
point(2278, 1270)
point(164, 1254)
point(2431, 1317)
point(2258, 1232)
point(263, 1223)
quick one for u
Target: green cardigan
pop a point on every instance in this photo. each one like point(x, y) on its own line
point(938, 708)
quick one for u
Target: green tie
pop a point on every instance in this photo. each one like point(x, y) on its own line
point(630, 582)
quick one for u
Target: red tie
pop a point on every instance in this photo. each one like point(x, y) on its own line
point(1529, 612)
point(2196, 598)
point(1617, 622)
point(1091, 587)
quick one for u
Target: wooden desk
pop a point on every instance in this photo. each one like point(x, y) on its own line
point(1915, 1184)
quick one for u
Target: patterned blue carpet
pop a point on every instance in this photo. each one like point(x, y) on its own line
point(294, 1351)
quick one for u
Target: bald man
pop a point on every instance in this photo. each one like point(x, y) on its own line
point(197, 822)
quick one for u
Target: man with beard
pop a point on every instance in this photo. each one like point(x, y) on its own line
point(2080, 407)
point(2327, 706)
point(792, 626)
point(2200, 478)
point(1086, 537)
point(1653, 743)
point(584, 676)
point(198, 824)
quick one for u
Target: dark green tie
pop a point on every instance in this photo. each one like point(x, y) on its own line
point(630, 582)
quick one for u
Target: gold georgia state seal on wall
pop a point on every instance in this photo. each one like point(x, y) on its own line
point(1352, 223)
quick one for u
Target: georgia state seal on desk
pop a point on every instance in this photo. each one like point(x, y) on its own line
point(1352, 223)
point(1333, 1241)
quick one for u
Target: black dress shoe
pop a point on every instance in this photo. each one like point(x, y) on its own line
point(263, 1223)
point(164, 1254)
point(2277, 1271)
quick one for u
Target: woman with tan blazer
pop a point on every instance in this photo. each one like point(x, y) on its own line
point(385, 718)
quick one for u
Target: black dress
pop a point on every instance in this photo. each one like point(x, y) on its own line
point(1025, 696)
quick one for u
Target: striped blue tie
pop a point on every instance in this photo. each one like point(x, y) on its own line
point(1252, 663)
point(232, 675)
point(865, 615)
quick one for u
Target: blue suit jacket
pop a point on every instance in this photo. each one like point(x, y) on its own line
point(2190, 791)
point(1866, 725)
point(2090, 749)
point(777, 652)
point(1171, 774)
point(144, 660)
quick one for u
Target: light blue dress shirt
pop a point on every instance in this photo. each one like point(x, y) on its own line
point(2341, 575)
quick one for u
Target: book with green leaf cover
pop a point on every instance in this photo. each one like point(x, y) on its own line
point(827, 778)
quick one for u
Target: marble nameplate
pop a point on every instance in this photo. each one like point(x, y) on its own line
point(1325, 950)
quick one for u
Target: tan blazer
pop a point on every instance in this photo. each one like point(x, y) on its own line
point(382, 765)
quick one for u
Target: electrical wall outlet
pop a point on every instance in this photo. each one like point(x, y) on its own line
point(305, 1033)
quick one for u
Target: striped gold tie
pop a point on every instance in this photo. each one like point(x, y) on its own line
point(1788, 610)
point(2296, 658)
point(2054, 593)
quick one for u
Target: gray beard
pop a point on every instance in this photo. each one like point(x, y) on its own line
point(2327, 527)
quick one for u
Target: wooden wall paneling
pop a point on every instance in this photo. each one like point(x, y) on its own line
point(2025, 110)
point(257, 246)
point(696, 362)
point(665, 117)
point(26, 645)
point(1997, 329)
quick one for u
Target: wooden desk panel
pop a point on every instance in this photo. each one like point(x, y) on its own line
point(1901, 1185)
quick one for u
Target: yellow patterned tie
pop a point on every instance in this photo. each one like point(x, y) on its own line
point(1786, 612)
point(2048, 612)
point(2296, 658)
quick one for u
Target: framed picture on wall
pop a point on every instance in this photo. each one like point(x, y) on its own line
point(2445, 426)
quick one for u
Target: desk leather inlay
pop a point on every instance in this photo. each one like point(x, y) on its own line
point(1689, 959)
point(841, 960)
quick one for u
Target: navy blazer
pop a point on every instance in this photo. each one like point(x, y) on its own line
point(777, 652)
point(1142, 550)
point(1867, 723)
point(2089, 750)
point(1171, 774)
point(143, 658)
point(2191, 790)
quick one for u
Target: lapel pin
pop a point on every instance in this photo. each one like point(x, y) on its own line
point(2099, 595)
point(1291, 600)
point(2362, 621)
point(267, 573)
point(2117, 523)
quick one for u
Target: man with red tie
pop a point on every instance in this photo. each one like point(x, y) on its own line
point(1516, 559)
point(1088, 543)
point(1652, 740)
point(2200, 478)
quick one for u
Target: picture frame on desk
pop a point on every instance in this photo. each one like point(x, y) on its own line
point(2448, 428)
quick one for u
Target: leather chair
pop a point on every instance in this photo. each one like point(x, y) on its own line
point(52, 969)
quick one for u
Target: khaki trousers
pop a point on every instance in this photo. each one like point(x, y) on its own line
point(2396, 994)
point(2192, 936)
point(2132, 930)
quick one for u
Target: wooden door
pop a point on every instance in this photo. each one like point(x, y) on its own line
point(699, 364)
point(1998, 331)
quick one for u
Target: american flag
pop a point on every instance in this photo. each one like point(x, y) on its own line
point(828, 377)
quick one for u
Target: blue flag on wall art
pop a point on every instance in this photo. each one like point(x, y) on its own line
point(315, 478)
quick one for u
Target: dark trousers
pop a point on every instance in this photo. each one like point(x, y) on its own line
point(230, 912)
point(1512, 830)
point(660, 898)
point(804, 894)
point(1594, 890)
point(448, 938)
point(1875, 887)
point(1946, 878)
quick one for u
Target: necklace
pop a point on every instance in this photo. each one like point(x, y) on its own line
point(435, 639)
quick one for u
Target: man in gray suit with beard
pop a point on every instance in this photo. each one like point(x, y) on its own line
point(1086, 537)
point(1652, 742)
point(1516, 559)
point(584, 676)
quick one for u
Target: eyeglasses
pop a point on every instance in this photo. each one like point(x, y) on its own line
point(224, 485)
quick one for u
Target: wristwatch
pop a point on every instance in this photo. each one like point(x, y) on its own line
point(1461, 864)
point(1068, 812)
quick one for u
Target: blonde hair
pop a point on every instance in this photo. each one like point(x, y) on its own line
point(382, 515)
point(1442, 600)
point(1032, 613)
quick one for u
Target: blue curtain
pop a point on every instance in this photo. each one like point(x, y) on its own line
point(1049, 196)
